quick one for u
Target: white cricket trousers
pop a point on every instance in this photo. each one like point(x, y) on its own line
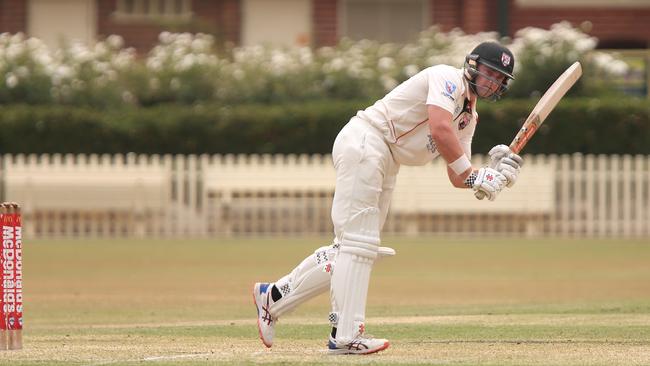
point(365, 177)
point(365, 173)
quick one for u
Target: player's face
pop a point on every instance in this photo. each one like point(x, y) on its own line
point(488, 81)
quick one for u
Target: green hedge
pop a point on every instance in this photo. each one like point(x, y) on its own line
point(594, 126)
point(584, 125)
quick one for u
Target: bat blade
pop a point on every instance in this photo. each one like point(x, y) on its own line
point(545, 105)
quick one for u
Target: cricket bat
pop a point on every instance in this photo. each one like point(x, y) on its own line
point(542, 109)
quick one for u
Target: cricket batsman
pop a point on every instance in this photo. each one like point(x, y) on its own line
point(429, 115)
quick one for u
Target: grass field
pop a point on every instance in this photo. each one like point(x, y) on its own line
point(439, 301)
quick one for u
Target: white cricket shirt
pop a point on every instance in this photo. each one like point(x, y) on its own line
point(402, 114)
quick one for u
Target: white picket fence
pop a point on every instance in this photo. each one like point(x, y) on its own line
point(199, 196)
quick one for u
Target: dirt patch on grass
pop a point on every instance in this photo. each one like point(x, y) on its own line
point(116, 348)
point(104, 351)
point(516, 319)
point(524, 319)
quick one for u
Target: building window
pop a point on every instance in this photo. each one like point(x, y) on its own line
point(153, 9)
point(384, 20)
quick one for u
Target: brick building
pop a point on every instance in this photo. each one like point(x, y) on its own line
point(317, 22)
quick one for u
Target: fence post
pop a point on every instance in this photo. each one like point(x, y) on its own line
point(626, 175)
point(564, 198)
point(579, 204)
point(640, 205)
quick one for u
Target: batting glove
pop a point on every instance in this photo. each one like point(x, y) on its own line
point(487, 180)
point(506, 162)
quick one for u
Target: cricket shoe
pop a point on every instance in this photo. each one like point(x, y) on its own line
point(265, 322)
point(362, 345)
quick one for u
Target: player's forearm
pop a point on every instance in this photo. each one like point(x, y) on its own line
point(455, 179)
point(450, 149)
point(446, 142)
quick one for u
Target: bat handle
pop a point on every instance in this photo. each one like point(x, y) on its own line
point(479, 195)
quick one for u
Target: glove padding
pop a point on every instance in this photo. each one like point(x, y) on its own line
point(506, 162)
point(490, 182)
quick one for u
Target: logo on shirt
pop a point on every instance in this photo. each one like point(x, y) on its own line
point(466, 116)
point(450, 88)
point(464, 121)
point(431, 145)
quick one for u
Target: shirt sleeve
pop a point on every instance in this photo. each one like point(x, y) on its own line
point(444, 88)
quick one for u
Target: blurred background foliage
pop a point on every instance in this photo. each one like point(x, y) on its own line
point(192, 68)
point(191, 94)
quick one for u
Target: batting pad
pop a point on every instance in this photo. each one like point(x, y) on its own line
point(350, 280)
point(310, 279)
